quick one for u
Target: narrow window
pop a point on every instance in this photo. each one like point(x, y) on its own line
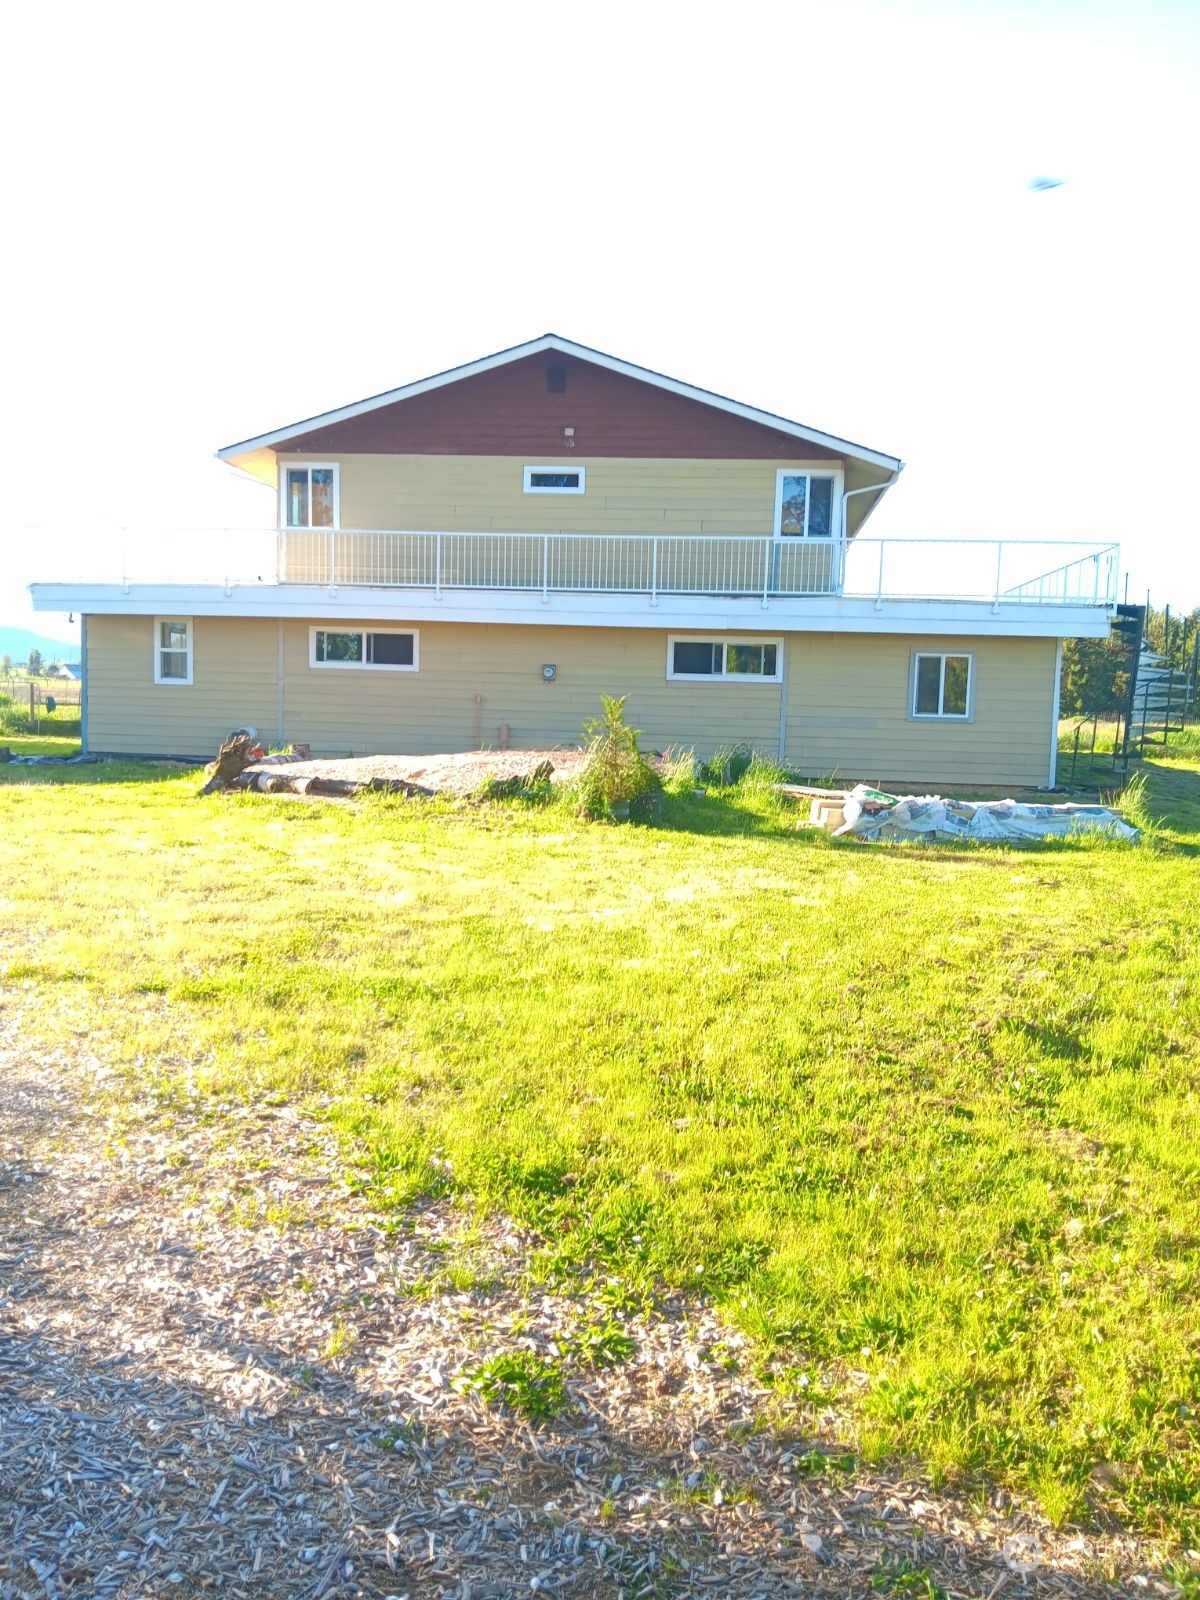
point(172, 650)
point(941, 686)
point(555, 480)
point(310, 497)
point(724, 658)
point(805, 504)
point(388, 650)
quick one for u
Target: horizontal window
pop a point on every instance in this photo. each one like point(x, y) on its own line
point(385, 649)
point(942, 685)
point(758, 660)
point(555, 480)
point(172, 650)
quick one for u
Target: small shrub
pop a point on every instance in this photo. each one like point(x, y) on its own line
point(615, 776)
point(524, 1382)
point(533, 788)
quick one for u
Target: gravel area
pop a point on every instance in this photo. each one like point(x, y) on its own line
point(222, 1372)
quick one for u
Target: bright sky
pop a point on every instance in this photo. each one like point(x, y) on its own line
point(225, 217)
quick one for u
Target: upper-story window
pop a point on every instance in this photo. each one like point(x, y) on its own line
point(805, 504)
point(555, 480)
point(173, 650)
point(310, 497)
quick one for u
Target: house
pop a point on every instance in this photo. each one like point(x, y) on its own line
point(68, 671)
point(475, 558)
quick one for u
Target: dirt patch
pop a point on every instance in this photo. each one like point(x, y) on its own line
point(222, 1369)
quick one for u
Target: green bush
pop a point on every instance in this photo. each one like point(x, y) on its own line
point(615, 777)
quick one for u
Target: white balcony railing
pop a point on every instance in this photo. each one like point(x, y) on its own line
point(997, 572)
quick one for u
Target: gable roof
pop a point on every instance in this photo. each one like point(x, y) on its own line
point(238, 453)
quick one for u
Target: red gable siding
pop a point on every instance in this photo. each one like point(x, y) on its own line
point(509, 412)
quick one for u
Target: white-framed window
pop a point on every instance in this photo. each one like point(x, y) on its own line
point(555, 480)
point(373, 649)
point(807, 503)
point(173, 650)
point(943, 685)
point(309, 495)
point(725, 660)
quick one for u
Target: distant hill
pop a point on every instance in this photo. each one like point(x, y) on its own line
point(18, 642)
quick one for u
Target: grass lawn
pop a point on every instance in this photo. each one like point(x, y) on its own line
point(924, 1121)
point(28, 744)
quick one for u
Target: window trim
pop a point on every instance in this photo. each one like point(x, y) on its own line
point(941, 716)
point(363, 666)
point(810, 470)
point(562, 466)
point(725, 640)
point(310, 466)
point(189, 651)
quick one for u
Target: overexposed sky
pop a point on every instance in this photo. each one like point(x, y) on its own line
point(224, 217)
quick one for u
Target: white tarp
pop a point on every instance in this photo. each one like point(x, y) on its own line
point(871, 815)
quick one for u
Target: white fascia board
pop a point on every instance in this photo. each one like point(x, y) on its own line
point(676, 613)
point(582, 352)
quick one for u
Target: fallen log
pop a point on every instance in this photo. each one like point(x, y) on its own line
point(234, 756)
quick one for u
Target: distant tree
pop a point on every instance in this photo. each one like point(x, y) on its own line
point(35, 662)
point(6, 664)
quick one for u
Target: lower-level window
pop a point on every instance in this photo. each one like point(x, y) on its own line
point(387, 648)
point(172, 650)
point(759, 660)
point(943, 685)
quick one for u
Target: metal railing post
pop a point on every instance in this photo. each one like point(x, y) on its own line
point(1096, 589)
point(653, 569)
point(437, 567)
point(879, 582)
point(331, 560)
point(545, 569)
point(768, 547)
point(999, 568)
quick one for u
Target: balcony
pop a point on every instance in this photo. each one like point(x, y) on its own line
point(1051, 588)
point(992, 571)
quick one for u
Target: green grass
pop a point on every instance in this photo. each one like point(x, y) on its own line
point(27, 744)
point(923, 1121)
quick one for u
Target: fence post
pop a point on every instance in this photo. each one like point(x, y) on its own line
point(999, 566)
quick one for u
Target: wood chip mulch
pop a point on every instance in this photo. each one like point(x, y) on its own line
point(221, 1372)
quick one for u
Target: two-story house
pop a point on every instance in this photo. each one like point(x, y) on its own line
point(472, 560)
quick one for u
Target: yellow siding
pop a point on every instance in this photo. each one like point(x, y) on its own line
point(482, 493)
point(435, 708)
point(234, 674)
point(847, 698)
point(848, 711)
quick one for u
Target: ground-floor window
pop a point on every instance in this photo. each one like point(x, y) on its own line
point(754, 660)
point(173, 650)
point(942, 685)
point(391, 648)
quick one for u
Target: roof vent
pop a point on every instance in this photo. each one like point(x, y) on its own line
point(556, 378)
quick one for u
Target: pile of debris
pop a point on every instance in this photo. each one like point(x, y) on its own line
point(870, 814)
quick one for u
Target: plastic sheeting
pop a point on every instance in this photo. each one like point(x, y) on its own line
point(870, 814)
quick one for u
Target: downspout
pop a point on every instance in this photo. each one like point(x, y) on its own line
point(1053, 776)
point(83, 684)
point(868, 488)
